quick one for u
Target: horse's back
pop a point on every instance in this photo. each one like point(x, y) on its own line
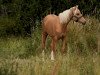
point(51, 19)
point(51, 24)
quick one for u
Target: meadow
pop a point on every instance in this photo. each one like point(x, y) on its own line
point(23, 55)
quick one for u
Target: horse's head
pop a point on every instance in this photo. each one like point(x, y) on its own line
point(77, 16)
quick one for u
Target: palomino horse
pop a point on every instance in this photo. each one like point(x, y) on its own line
point(56, 27)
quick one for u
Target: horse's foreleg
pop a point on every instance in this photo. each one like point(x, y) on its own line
point(63, 44)
point(53, 48)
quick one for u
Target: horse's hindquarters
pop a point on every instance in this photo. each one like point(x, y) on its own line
point(51, 25)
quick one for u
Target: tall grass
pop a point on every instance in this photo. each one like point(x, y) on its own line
point(22, 56)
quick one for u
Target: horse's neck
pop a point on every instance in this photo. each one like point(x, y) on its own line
point(65, 17)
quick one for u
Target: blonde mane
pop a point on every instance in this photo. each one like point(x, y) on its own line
point(64, 16)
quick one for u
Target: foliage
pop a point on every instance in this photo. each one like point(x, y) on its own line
point(23, 56)
point(25, 13)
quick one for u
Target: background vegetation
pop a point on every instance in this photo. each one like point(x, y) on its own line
point(23, 56)
point(20, 17)
point(20, 39)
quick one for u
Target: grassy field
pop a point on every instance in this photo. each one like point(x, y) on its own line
point(23, 56)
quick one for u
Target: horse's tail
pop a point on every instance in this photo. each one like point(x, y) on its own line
point(42, 22)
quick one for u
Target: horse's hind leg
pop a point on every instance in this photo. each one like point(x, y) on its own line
point(44, 36)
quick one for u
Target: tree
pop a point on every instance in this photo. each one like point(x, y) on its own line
point(21, 16)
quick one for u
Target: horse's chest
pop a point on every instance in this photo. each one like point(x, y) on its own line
point(60, 33)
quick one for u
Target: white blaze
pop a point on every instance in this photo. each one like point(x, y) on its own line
point(52, 55)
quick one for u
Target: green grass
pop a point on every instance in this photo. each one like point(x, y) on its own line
point(23, 56)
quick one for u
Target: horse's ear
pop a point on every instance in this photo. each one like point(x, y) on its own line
point(76, 6)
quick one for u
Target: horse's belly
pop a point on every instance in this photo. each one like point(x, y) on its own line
point(53, 30)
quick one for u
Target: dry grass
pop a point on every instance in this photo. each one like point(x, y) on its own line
point(22, 56)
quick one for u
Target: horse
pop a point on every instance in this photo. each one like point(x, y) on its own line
point(56, 27)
